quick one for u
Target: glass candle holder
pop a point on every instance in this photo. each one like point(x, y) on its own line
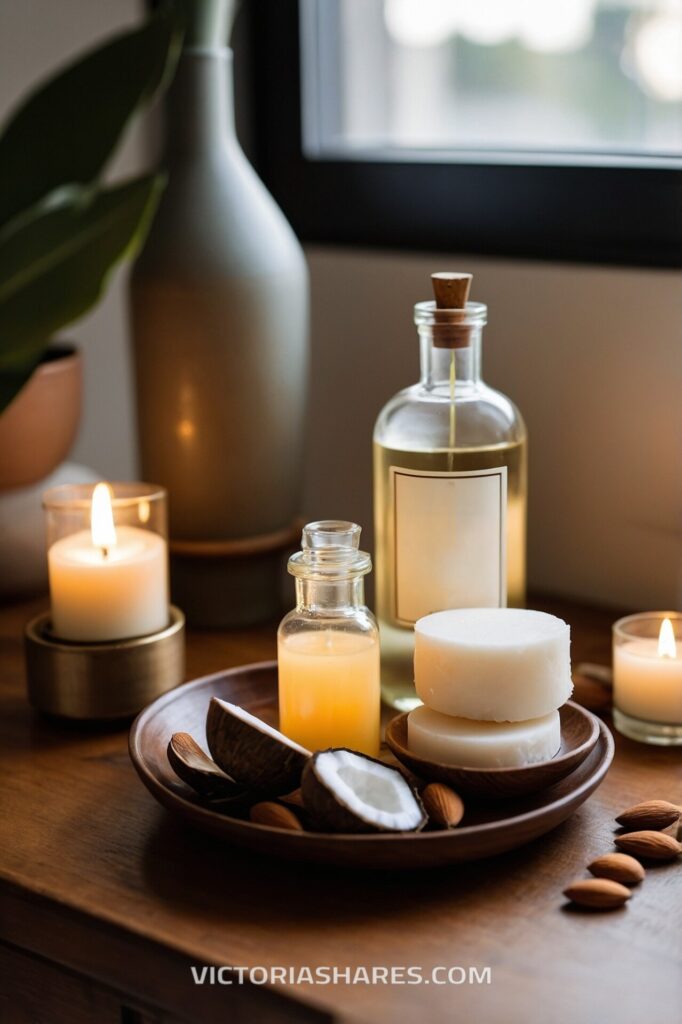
point(647, 677)
point(107, 561)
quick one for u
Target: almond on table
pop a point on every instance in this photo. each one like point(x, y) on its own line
point(619, 867)
point(651, 814)
point(597, 893)
point(650, 845)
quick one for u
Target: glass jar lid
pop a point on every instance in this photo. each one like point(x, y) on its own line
point(330, 549)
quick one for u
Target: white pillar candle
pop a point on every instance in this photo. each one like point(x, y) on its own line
point(647, 678)
point(464, 743)
point(493, 664)
point(108, 583)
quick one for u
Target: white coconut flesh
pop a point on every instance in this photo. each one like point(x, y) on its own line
point(371, 791)
point(260, 725)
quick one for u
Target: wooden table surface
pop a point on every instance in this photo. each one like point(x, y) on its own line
point(97, 878)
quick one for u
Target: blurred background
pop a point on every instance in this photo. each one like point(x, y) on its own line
point(585, 74)
point(590, 351)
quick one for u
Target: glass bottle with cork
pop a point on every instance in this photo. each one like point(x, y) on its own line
point(450, 482)
point(328, 646)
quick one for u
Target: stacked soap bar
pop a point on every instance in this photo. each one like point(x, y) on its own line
point(492, 680)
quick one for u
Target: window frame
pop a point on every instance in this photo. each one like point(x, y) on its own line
point(533, 206)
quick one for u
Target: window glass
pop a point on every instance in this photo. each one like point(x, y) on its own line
point(440, 79)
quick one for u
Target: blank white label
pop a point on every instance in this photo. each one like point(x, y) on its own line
point(450, 541)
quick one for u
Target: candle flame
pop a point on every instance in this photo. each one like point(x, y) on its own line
point(102, 518)
point(667, 648)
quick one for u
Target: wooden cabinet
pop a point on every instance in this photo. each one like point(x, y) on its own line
point(35, 991)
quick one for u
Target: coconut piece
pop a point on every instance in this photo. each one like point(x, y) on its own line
point(191, 764)
point(344, 791)
point(252, 752)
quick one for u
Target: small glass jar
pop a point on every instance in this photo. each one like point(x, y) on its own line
point(328, 647)
point(647, 677)
point(107, 561)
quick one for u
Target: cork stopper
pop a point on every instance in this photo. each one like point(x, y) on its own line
point(451, 290)
point(451, 317)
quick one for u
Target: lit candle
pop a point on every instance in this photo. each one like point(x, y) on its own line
point(647, 671)
point(109, 582)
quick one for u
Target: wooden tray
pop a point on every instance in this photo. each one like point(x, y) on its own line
point(487, 829)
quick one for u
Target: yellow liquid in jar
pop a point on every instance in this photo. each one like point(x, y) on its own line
point(397, 640)
point(329, 690)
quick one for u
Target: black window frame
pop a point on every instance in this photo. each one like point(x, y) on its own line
point(585, 213)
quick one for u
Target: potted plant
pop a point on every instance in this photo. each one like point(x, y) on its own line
point(62, 231)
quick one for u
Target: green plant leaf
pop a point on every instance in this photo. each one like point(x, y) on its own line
point(54, 266)
point(68, 127)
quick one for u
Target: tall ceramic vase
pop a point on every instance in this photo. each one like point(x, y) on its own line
point(220, 328)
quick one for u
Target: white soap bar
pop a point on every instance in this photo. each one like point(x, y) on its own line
point(493, 664)
point(465, 743)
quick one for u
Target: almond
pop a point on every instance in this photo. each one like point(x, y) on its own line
point(650, 845)
point(598, 893)
point(618, 867)
point(442, 805)
point(652, 814)
point(275, 815)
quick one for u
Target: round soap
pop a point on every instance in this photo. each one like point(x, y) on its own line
point(464, 743)
point(493, 664)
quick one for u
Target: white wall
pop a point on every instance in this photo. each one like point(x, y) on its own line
point(592, 356)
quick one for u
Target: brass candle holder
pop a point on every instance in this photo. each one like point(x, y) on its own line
point(99, 681)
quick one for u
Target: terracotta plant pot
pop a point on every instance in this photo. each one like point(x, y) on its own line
point(39, 427)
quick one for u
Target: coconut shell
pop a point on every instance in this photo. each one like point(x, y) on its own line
point(260, 760)
point(329, 815)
